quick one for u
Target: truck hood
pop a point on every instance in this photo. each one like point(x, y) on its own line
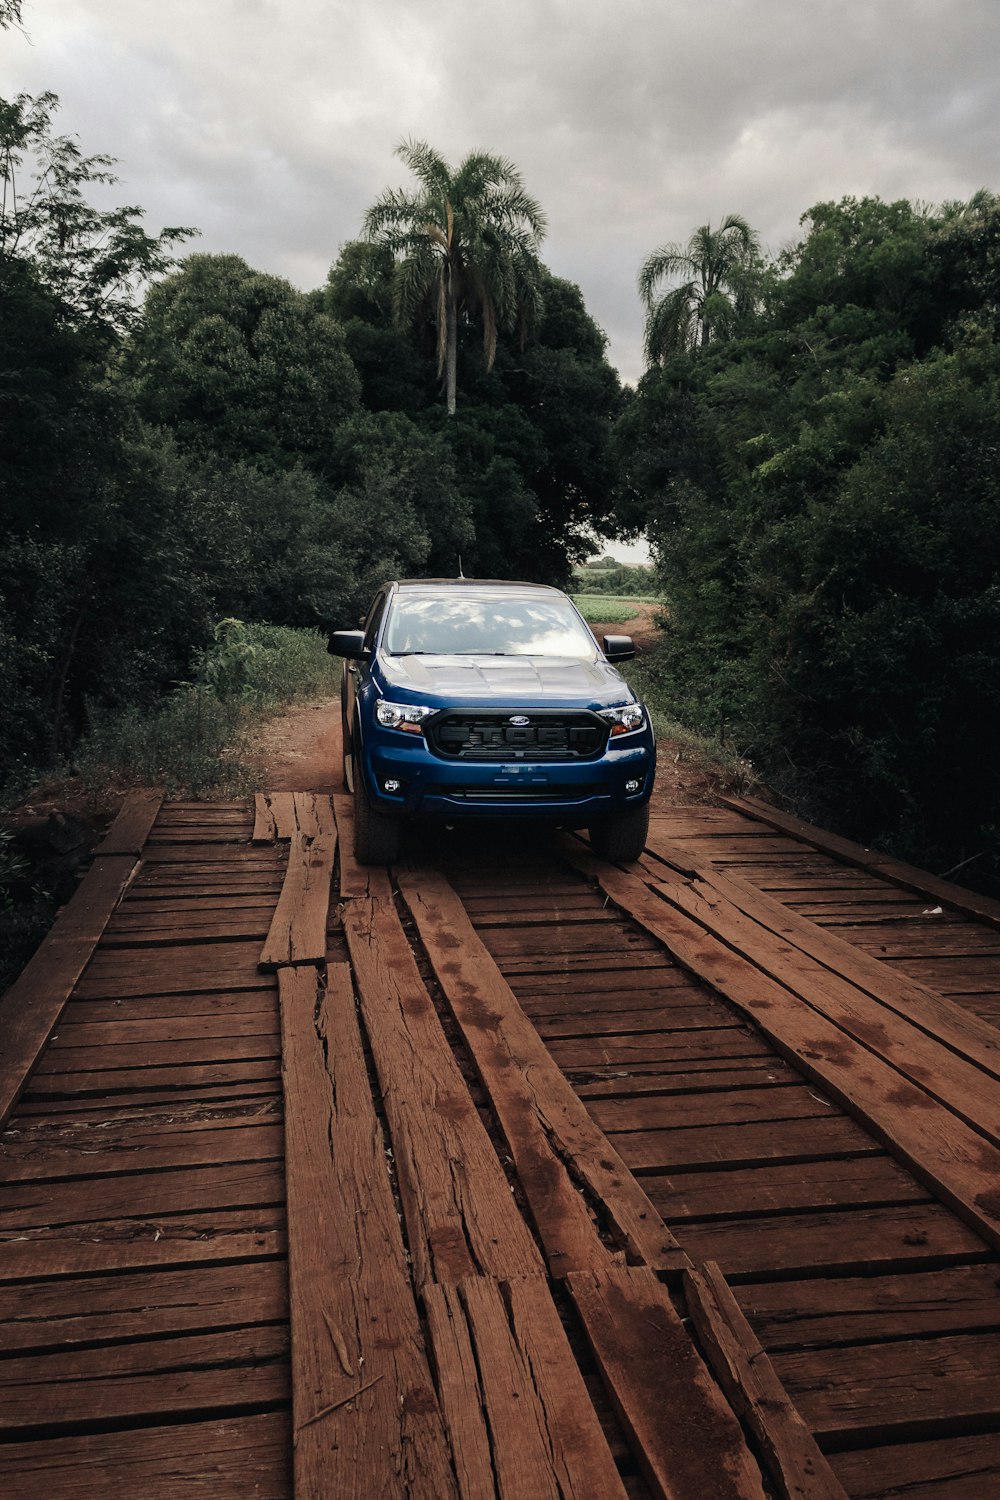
point(505, 680)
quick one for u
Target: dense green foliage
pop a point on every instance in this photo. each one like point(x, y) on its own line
point(823, 490)
point(230, 446)
point(609, 577)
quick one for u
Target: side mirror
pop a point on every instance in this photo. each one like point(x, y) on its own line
point(618, 647)
point(349, 643)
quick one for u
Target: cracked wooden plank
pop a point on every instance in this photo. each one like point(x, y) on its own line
point(797, 1468)
point(297, 933)
point(556, 1146)
point(461, 1217)
point(265, 830)
point(958, 1165)
point(684, 1434)
point(31, 1008)
point(366, 1418)
point(518, 1411)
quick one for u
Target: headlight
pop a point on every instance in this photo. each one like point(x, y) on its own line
point(624, 720)
point(405, 716)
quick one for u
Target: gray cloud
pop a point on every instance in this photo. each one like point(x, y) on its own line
point(271, 123)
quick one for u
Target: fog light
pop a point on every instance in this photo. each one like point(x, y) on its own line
point(632, 786)
point(391, 785)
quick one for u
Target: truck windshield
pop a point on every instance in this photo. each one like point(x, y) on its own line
point(467, 625)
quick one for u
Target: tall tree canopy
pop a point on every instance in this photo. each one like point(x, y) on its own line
point(716, 265)
point(465, 241)
point(821, 486)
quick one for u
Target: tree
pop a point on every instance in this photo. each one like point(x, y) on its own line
point(717, 264)
point(238, 363)
point(94, 261)
point(465, 241)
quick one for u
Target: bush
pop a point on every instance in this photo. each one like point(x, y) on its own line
point(196, 740)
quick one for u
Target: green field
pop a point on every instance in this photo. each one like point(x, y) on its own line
point(605, 609)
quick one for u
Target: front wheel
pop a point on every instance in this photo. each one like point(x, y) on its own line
point(376, 837)
point(623, 838)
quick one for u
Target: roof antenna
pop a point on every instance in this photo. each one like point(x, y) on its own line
point(460, 573)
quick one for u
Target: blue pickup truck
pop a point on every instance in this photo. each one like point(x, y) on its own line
point(469, 699)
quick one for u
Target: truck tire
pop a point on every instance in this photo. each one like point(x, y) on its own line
point(376, 837)
point(623, 838)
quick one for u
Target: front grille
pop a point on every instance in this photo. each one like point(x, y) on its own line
point(459, 734)
point(518, 794)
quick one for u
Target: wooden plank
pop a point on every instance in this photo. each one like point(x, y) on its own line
point(67, 1312)
point(226, 1049)
point(98, 1247)
point(366, 1417)
point(956, 1163)
point(904, 875)
point(743, 1145)
point(881, 1392)
point(919, 1003)
point(554, 1142)
point(922, 1235)
point(665, 1111)
point(130, 830)
point(961, 1468)
point(231, 1458)
point(297, 933)
point(364, 881)
point(184, 1075)
point(201, 966)
point(520, 1418)
point(962, 1086)
point(792, 1458)
point(785, 1187)
point(33, 1004)
point(460, 1215)
point(137, 1151)
point(265, 829)
point(865, 1309)
point(142, 1198)
point(234, 1368)
point(685, 1437)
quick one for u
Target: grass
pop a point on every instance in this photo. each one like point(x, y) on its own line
point(196, 741)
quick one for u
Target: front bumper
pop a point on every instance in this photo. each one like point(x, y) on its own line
point(571, 793)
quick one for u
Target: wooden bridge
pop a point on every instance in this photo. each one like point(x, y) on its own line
point(508, 1174)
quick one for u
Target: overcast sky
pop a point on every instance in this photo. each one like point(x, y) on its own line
point(270, 124)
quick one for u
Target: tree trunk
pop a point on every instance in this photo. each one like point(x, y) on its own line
point(451, 350)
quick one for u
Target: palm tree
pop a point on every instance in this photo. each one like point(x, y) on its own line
point(715, 263)
point(464, 241)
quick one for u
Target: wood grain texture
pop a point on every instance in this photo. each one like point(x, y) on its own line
point(461, 1218)
point(906, 876)
point(232, 1458)
point(686, 1438)
point(297, 934)
point(959, 1083)
point(356, 879)
point(920, 1004)
point(956, 1163)
point(555, 1143)
point(793, 1461)
point(265, 829)
point(131, 828)
point(32, 1006)
point(366, 1418)
point(518, 1411)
